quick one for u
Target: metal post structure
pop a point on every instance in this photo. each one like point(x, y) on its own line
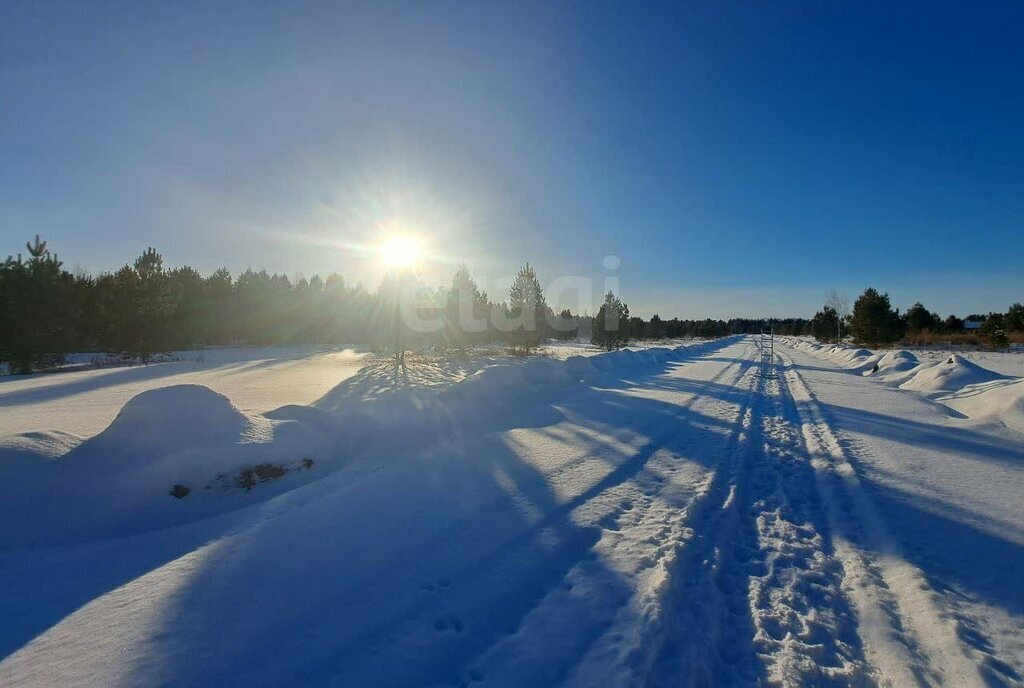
point(766, 348)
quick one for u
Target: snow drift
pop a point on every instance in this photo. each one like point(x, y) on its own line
point(192, 442)
point(118, 481)
point(170, 418)
point(585, 525)
point(962, 385)
point(951, 375)
point(1000, 400)
point(892, 364)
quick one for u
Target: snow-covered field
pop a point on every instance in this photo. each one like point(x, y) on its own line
point(84, 402)
point(668, 516)
point(983, 387)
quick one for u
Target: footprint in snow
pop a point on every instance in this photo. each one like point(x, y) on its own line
point(610, 522)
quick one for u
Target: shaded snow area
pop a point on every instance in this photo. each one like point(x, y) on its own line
point(258, 379)
point(680, 516)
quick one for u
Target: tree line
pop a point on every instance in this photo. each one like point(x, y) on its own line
point(145, 308)
point(873, 321)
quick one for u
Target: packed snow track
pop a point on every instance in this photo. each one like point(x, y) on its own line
point(675, 517)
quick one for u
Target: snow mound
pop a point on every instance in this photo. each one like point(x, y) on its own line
point(953, 374)
point(579, 366)
point(544, 372)
point(169, 455)
point(1003, 401)
point(118, 481)
point(168, 420)
point(26, 455)
point(46, 445)
point(893, 364)
point(844, 355)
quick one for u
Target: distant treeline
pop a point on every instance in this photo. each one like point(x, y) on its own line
point(873, 321)
point(144, 308)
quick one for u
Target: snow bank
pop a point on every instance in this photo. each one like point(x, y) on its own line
point(27, 455)
point(1001, 400)
point(118, 482)
point(579, 366)
point(47, 445)
point(849, 355)
point(166, 419)
point(123, 480)
point(951, 375)
point(976, 392)
point(893, 365)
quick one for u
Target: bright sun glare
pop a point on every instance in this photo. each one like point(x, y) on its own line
point(400, 251)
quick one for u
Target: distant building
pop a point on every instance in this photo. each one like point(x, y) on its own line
point(972, 326)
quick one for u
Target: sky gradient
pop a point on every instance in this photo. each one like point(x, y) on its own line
point(740, 159)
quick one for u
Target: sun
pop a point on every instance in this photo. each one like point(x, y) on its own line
point(399, 251)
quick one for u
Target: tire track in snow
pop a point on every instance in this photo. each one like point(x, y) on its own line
point(693, 638)
point(639, 520)
point(805, 626)
point(908, 639)
point(624, 654)
point(756, 596)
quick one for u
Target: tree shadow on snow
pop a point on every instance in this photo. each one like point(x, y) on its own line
point(458, 539)
point(460, 544)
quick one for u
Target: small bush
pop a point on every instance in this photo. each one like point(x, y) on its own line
point(180, 491)
point(994, 331)
point(248, 478)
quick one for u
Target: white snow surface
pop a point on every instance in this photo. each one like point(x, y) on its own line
point(666, 516)
point(966, 388)
point(256, 379)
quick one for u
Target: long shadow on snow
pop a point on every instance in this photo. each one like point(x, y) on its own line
point(940, 540)
point(450, 560)
point(904, 430)
point(36, 395)
point(42, 586)
point(947, 546)
point(117, 562)
point(470, 510)
point(970, 443)
point(938, 536)
point(129, 374)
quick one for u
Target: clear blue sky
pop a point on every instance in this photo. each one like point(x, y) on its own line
point(739, 158)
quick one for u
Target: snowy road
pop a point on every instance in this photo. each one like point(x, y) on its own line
point(691, 522)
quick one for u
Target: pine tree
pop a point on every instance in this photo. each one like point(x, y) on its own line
point(465, 311)
point(1015, 318)
point(527, 309)
point(187, 293)
point(566, 325)
point(656, 329)
point(218, 306)
point(874, 321)
point(920, 319)
point(36, 315)
point(993, 330)
point(953, 325)
point(153, 305)
point(825, 324)
point(395, 317)
point(610, 328)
